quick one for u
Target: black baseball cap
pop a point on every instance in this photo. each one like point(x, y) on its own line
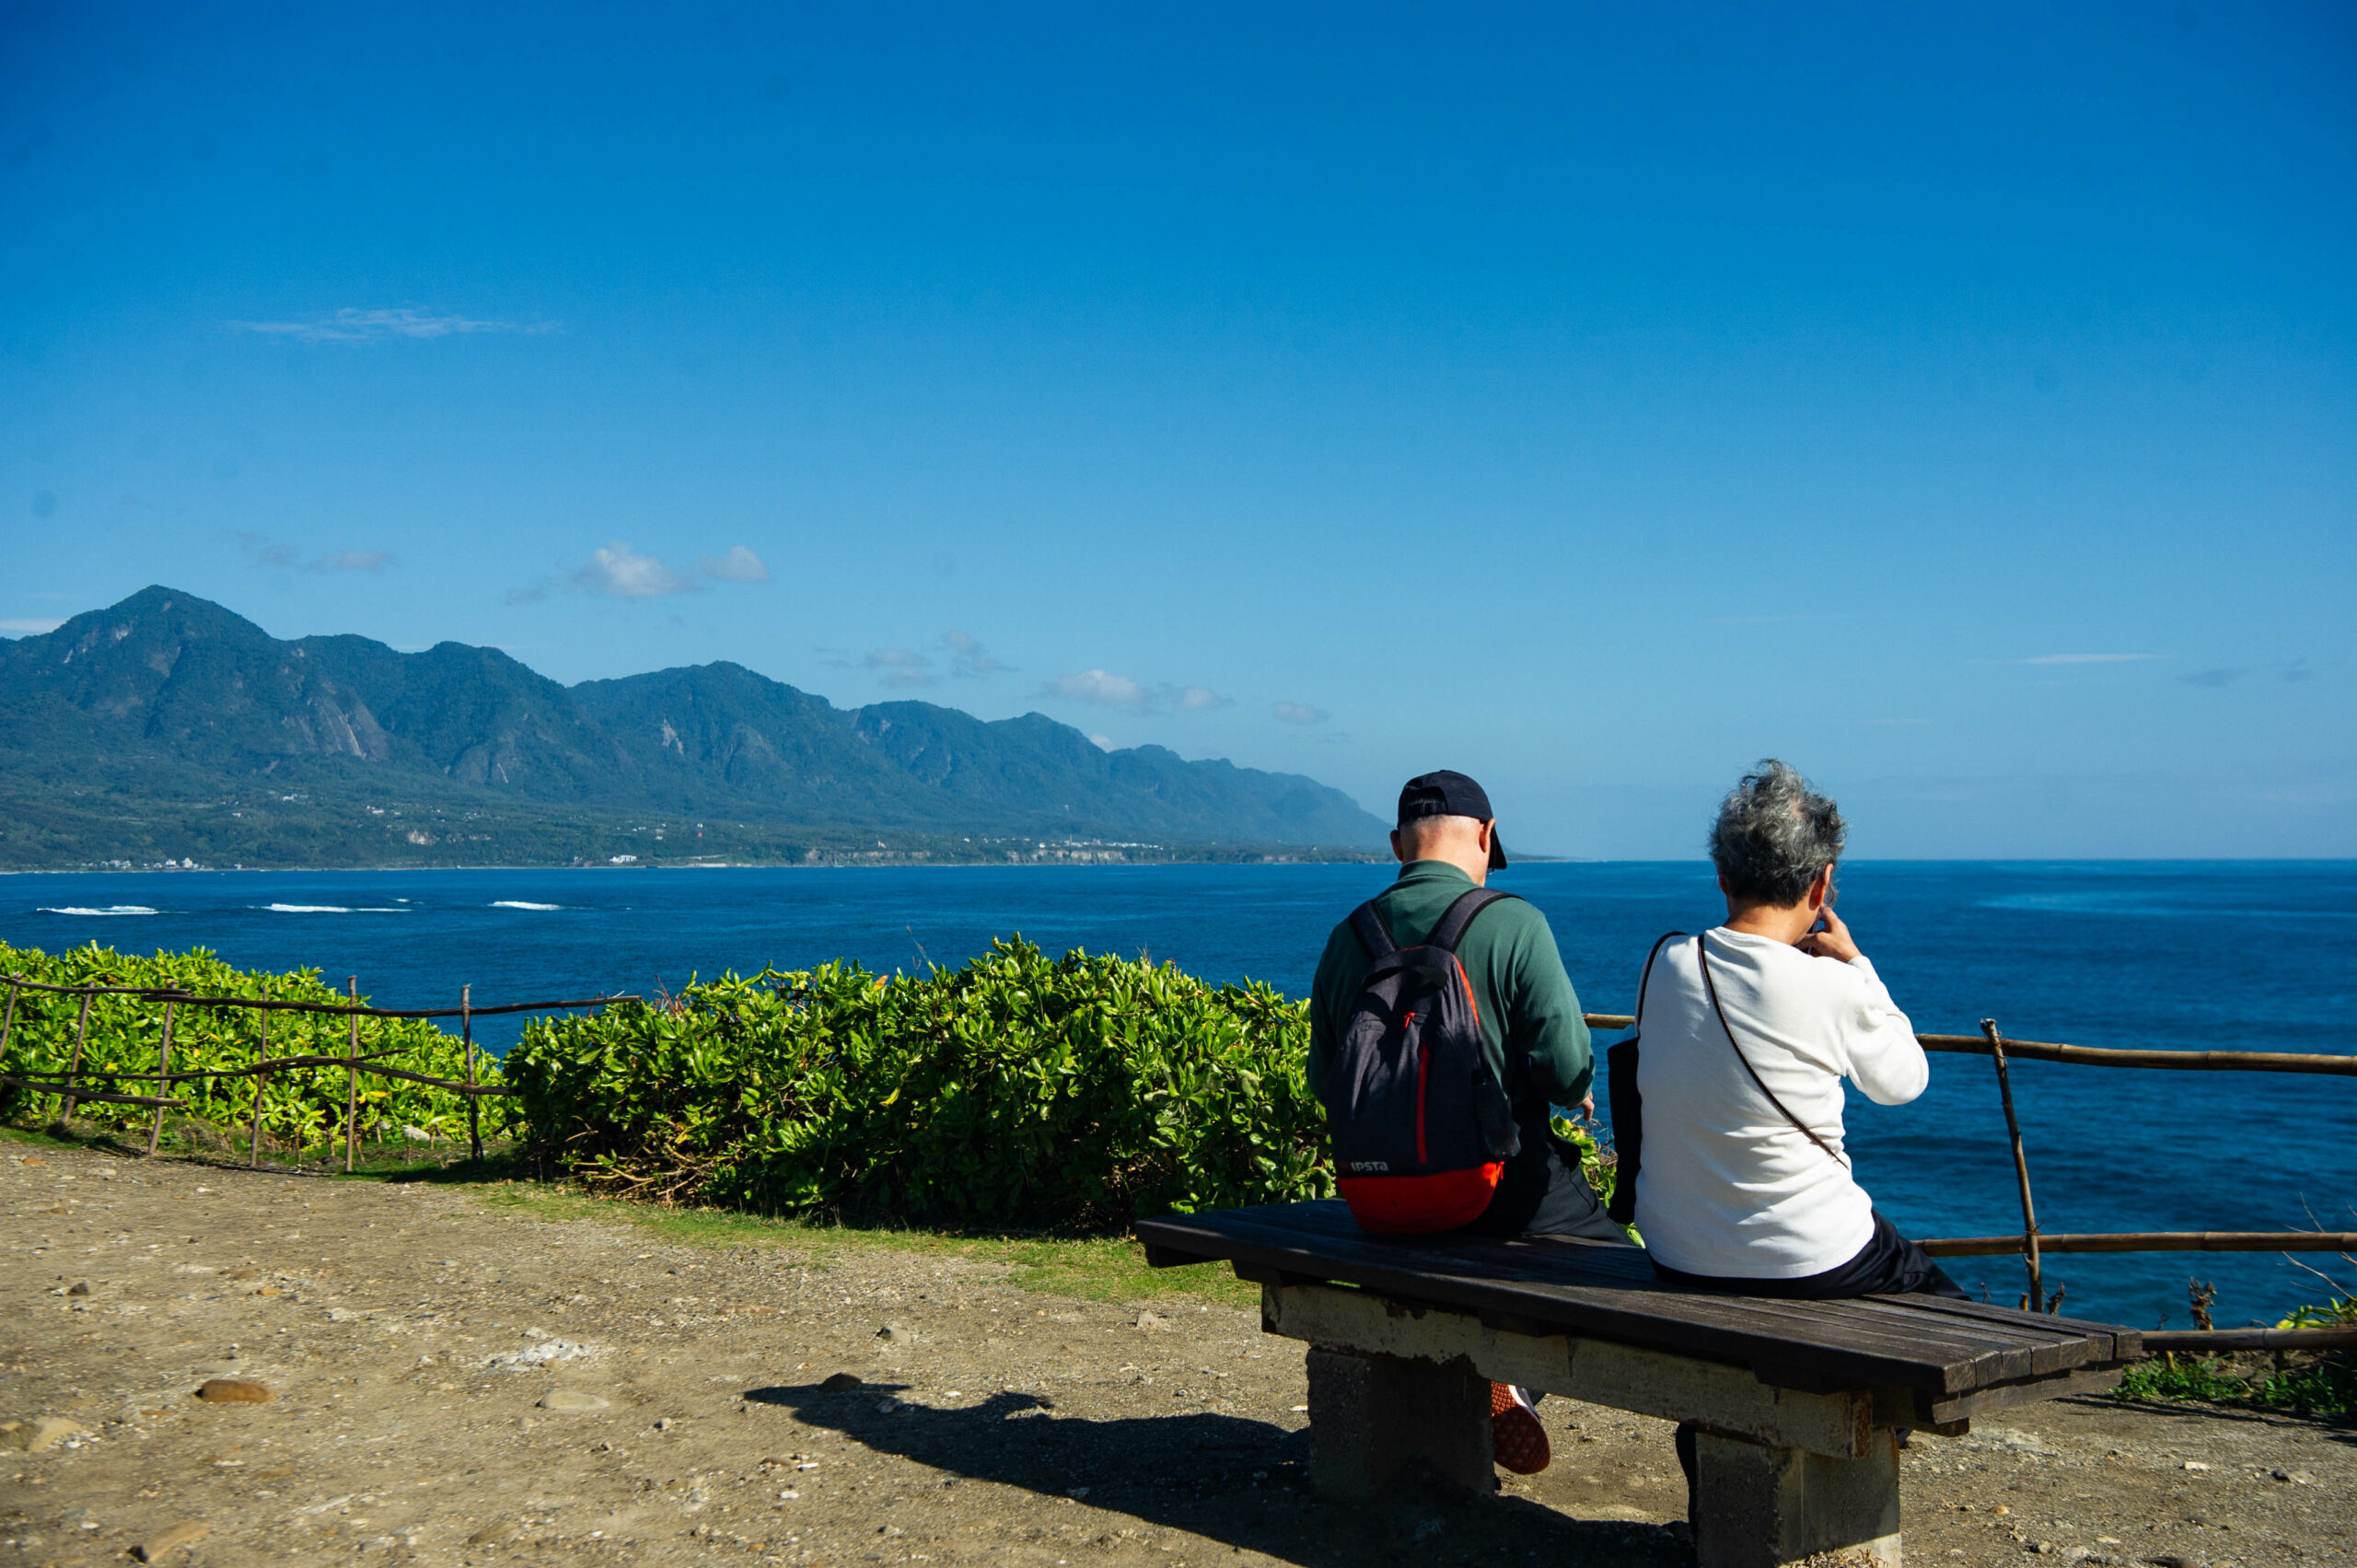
point(1450, 793)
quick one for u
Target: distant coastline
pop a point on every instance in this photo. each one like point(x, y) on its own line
point(1287, 855)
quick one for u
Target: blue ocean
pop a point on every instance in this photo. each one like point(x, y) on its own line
point(2238, 956)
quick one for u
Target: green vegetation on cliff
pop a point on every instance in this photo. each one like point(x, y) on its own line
point(166, 727)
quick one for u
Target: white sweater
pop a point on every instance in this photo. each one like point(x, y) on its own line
point(1726, 1186)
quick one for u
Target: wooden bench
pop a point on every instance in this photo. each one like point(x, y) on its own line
point(1799, 1402)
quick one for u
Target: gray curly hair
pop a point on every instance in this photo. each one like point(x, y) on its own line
point(1773, 835)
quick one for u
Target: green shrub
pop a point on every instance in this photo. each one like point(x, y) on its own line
point(301, 1107)
point(1018, 1090)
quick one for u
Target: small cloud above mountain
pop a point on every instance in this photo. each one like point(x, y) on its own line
point(1298, 712)
point(353, 561)
point(903, 668)
point(264, 551)
point(620, 571)
point(353, 325)
point(1100, 687)
point(1106, 689)
point(968, 657)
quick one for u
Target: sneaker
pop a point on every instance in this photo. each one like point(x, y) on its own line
point(1516, 1440)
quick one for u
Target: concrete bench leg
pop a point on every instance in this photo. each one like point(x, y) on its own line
point(1761, 1507)
point(1372, 1416)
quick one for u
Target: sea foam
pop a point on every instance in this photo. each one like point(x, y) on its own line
point(334, 909)
point(111, 909)
point(520, 904)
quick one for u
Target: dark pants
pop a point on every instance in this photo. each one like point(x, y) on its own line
point(1544, 1192)
point(1889, 1265)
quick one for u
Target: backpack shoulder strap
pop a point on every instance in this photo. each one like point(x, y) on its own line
point(1702, 956)
point(1449, 930)
point(1367, 925)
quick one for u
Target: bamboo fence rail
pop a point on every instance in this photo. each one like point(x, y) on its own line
point(70, 1085)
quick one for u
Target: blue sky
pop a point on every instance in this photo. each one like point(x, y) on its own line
point(1956, 401)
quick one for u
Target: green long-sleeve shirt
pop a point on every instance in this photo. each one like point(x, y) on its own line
point(1530, 1015)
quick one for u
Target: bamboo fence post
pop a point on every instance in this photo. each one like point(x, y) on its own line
point(9, 1028)
point(81, 1033)
point(474, 1101)
point(262, 1088)
point(163, 1085)
point(352, 1081)
point(2036, 1302)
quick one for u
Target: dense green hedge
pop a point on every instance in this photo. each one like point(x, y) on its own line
point(1019, 1089)
point(301, 1107)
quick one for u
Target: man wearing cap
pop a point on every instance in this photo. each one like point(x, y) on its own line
point(1532, 1031)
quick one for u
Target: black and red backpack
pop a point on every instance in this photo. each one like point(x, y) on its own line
point(1421, 1127)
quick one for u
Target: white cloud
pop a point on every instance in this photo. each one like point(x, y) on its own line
point(620, 571)
point(2088, 659)
point(970, 658)
point(1299, 713)
point(353, 561)
point(1103, 742)
point(265, 550)
point(1109, 690)
point(739, 565)
point(902, 668)
point(30, 627)
point(351, 325)
point(1098, 686)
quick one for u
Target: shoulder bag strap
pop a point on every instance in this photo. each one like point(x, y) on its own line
point(1702, 956)
point(1637, 1020)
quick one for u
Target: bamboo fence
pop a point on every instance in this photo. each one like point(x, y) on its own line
point(69, 1085)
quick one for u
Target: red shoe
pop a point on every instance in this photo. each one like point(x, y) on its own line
point(1516, 1440)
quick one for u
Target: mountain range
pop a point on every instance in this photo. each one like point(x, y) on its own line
point(167, 728)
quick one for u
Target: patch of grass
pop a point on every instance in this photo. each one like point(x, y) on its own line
point(2308, 1385)
point(2168, 1376)
point(1097, 1268)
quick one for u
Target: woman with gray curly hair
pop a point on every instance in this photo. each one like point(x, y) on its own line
point(1747, 1034)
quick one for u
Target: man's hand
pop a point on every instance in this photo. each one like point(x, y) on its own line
point(1833, 941)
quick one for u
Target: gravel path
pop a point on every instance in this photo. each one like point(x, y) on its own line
point(455, 1383)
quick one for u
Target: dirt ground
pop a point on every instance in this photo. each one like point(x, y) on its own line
point(423, 1344)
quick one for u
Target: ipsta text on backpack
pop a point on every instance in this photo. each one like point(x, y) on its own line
point(1421, 1127)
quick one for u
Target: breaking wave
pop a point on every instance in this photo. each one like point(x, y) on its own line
point(334, 909)
point(111, 909)
point(520, 904)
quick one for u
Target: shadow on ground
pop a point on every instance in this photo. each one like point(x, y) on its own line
point(1237, 1482)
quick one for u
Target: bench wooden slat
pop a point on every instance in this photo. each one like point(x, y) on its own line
point(1598, 1290)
